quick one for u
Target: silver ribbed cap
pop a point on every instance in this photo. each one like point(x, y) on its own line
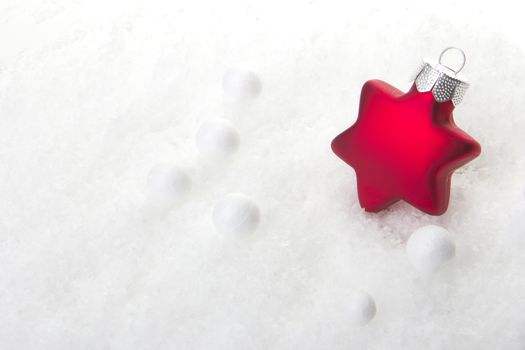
point(445, 83)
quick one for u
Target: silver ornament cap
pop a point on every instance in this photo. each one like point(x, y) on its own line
point(445, 83)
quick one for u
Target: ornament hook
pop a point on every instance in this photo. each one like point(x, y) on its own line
point(462, 55)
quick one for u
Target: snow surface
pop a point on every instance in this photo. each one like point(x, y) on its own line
point(94, 93)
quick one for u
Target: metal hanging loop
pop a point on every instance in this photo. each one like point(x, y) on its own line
point(462, 55)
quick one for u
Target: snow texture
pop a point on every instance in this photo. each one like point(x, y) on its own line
point(94, 93)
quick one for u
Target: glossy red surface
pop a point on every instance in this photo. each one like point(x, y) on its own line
point(404, 146)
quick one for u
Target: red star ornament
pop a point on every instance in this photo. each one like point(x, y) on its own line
point(405, 146)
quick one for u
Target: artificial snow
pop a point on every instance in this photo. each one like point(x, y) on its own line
point(94, 93)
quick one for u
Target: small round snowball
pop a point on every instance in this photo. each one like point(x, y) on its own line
point(362, 308)
point(430, 247)
point(236, 213)
point(241, 84)
point(169, 182)
point(217, 139)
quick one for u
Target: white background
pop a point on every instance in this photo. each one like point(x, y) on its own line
point(93, 93)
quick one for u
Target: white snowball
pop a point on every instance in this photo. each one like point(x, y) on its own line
point(217, 139)
point(236, 213)
point(430, 247)
point(241, 84)
point(362, 308)
point(169, 182)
